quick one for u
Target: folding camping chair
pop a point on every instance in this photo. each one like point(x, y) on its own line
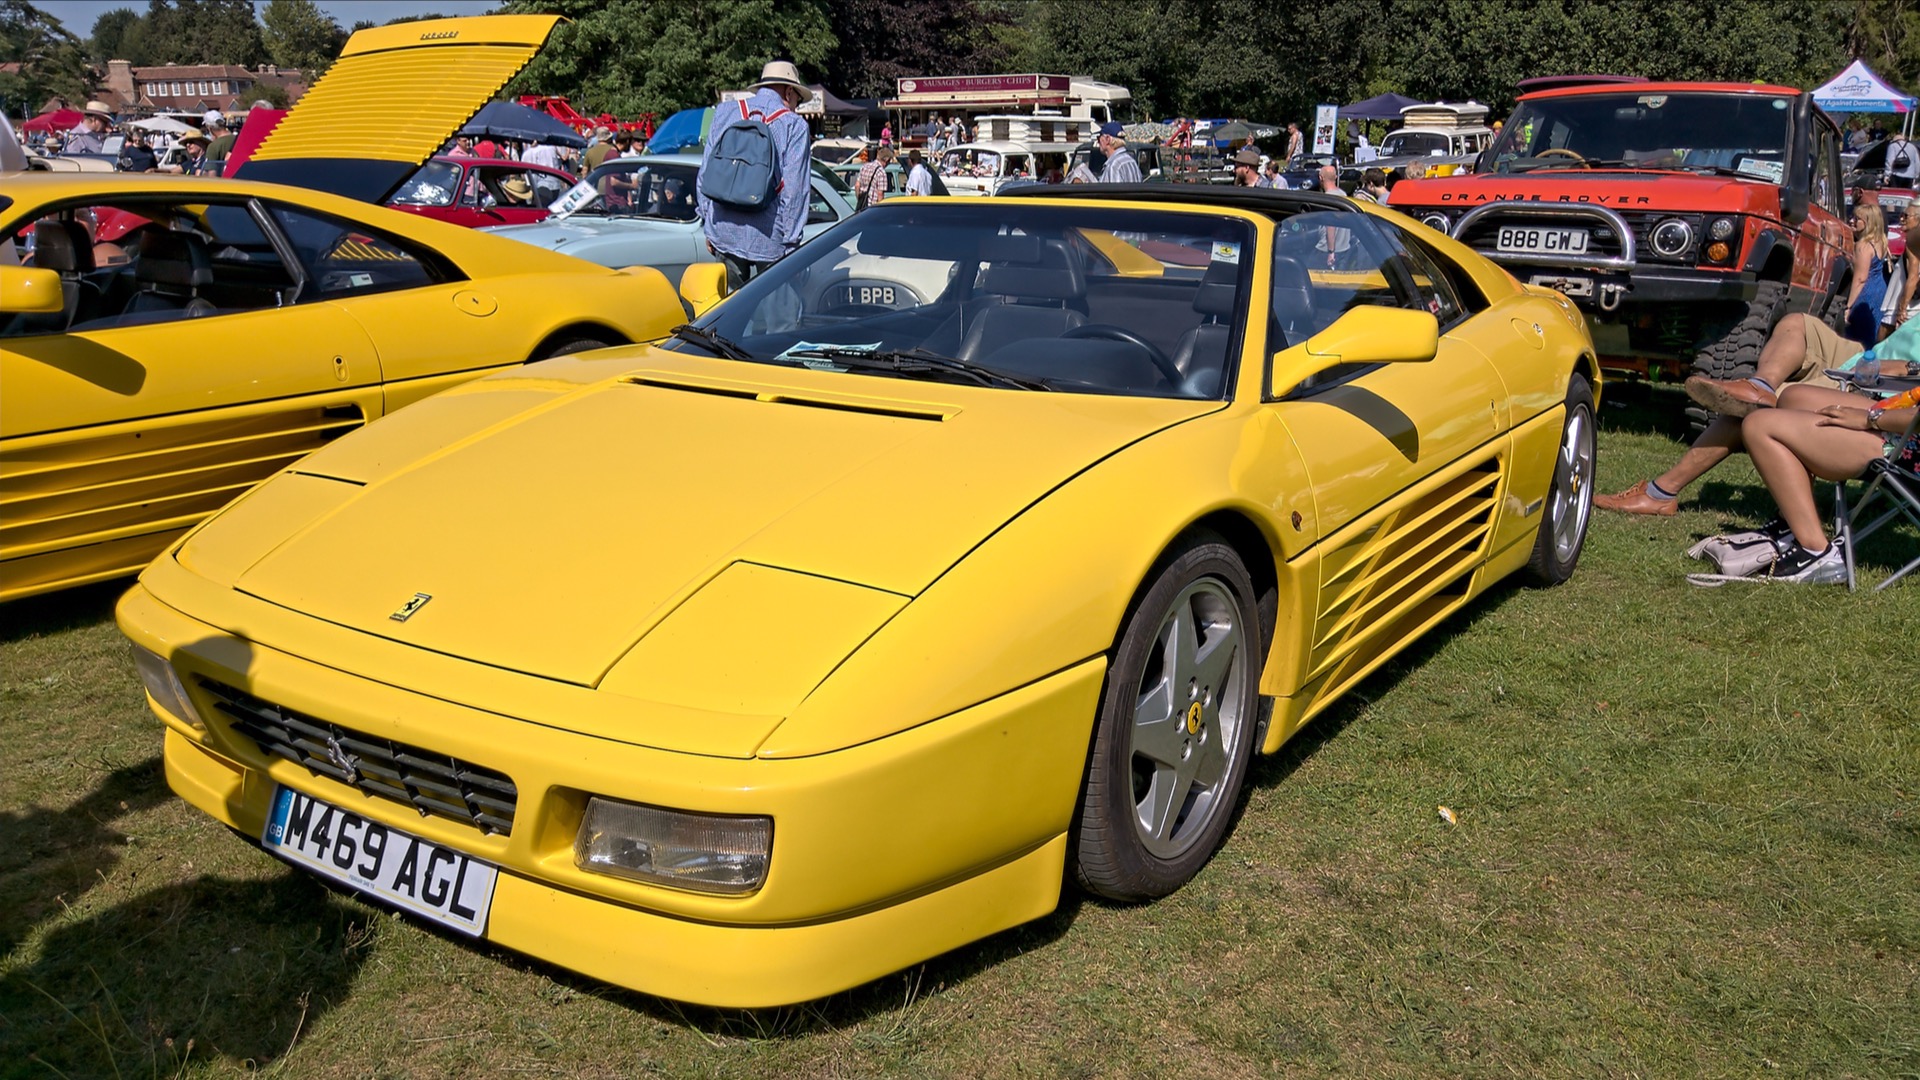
point(1898, 488)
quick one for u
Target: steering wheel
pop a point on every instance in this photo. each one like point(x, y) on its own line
point(1120, 333)
point(1561, 151)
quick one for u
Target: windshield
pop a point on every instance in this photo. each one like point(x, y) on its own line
point(435, 184)
point(1409, 143)
point(635, 188)
point(1742, 134)
point(1075, 298)
point(836, 155)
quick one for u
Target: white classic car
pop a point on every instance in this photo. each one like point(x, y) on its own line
point(641, 214)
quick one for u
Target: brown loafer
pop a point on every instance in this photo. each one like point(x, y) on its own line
point(1729, 397)
point(1635, 500)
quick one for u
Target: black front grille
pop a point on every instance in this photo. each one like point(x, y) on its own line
point(431, 783)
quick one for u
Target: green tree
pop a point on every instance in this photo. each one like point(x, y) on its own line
point(51, 59)
point(634, 56)
point(203, 32)
point(117, 35)
point(883, 40)
point(297, 34)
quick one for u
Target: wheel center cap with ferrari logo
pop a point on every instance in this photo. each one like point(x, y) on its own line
point(1194, 721)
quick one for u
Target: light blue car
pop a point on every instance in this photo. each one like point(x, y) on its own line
point(642, 214)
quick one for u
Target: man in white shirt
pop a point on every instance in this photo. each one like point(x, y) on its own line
point(919, 180)
point(1903, 163)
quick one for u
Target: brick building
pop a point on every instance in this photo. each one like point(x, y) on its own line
point(192, 87)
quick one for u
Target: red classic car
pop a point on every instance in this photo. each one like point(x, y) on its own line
point(477, 191)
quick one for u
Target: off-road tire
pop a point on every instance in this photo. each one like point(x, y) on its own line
point(1734, 354)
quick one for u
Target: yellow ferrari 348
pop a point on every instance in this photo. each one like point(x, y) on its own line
point(972, 549)
point(167, 342)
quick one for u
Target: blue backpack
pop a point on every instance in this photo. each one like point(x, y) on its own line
point(742, 168)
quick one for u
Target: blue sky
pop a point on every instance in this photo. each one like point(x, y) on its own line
point(78, 15)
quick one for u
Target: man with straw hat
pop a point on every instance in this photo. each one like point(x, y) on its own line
point(749, 240)
point(194, 146)
point(91, 136)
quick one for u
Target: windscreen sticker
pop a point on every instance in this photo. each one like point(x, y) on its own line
point(1225, 252)
point(1653, 101)
point(1773, 172)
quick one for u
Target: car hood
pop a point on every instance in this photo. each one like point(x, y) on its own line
point(552, 525)
point(1615, 189)
point(580, 229)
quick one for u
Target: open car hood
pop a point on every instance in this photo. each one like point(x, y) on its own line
point(553, 531)
point(423, 80)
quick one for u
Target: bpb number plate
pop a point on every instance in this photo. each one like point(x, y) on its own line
point(1543, 241)
point(418, 875)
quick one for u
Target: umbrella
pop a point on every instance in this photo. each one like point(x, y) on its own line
point(57, 120)
point(686, 128)
point(1383, 107)
point(1241, 131)
point(512, 120)
point(161, 123)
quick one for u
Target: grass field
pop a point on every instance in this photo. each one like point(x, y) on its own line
point(1686, 842)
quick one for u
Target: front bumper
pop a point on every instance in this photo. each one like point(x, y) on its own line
point(1641, 285)
point(884, 854)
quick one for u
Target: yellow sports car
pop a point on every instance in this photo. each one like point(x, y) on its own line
point(841, 629)
point(167, 342)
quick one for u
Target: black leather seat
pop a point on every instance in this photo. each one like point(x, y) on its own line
point(1201, 353)
point(1040, 286)
point(172, 268)
point(61, 246)
point(1292, 298)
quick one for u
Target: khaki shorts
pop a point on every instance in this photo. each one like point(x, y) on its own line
point(1825, 349)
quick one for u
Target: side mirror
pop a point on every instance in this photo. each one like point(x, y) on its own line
point(703, 285)
point(1365, 335)
point(30, 290)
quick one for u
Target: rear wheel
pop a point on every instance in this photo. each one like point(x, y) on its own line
point(1569, 505)
point(569, 346)
point(1176, 728)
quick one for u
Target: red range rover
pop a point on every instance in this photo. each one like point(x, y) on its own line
point(1684, 218)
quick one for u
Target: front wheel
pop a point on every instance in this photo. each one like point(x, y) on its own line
point(1569, 505)
point(1176, 728)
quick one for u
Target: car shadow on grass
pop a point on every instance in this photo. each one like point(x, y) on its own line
point(98, 979)
point(210, 969)
point(1641, 408)
point(53, 613)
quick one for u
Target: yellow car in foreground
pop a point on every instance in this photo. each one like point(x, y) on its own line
point(842, 629)
point(167, 342)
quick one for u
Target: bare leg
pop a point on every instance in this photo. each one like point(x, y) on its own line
point(1789, 447)
point(1784, 353)
point(1814, 398)
point(1710, 448)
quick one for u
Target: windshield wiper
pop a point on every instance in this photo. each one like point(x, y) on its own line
point(915, 361)
point(709, 341)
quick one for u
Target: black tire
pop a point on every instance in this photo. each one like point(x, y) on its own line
point(569, 346)
point(1733, 352)
point(1176, 727)
point(1835, 313)
point(1569, 506)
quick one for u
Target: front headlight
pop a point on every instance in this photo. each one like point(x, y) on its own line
point(711, 853)
point(1437, 222)
point(164, 686)
point(1672, 237)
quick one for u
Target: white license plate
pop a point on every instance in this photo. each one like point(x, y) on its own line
point(418, 875)
point(870, 296)
point(1541, 241)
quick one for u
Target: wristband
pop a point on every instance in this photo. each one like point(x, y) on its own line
point(1873, 417)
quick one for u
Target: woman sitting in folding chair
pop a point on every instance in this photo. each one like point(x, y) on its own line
point(1833, 435)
